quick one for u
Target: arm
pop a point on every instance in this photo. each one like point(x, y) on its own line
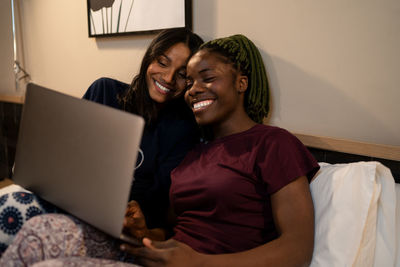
point(173, 140)
point(294, 219)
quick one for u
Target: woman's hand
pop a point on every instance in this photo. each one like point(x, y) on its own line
point(134, 222)
point(165, 253)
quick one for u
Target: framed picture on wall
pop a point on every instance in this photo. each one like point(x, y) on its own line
point(119, 17)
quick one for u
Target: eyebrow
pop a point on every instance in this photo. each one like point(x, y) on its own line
point(169, 60)
point(166, 57)
point(204, 70)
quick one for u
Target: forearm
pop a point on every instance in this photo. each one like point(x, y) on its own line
point(284, 251)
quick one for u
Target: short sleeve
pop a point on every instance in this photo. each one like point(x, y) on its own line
point(283, 159)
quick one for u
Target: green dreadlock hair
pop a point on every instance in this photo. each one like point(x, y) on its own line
point(245, 57)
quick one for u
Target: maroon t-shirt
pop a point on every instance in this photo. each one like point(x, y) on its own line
point(221, 190)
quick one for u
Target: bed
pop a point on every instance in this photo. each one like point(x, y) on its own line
point(357, 203)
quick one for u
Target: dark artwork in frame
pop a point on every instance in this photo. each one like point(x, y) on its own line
point(122, 17)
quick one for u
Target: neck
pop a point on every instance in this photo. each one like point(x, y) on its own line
point(160, 106)
point(232, 127)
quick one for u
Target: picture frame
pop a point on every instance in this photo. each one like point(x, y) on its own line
point(123, 17)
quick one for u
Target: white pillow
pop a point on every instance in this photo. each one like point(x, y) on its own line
point(346, 201)
point(386, 227)
point(11, 188)
point(17, 205)
point(397, 263)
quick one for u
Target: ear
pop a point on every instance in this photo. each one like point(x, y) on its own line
point(243, 83)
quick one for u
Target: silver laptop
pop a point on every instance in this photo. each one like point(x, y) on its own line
point(78, 155)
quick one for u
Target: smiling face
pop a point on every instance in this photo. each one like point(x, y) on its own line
point(166, 75)
point(215, 90)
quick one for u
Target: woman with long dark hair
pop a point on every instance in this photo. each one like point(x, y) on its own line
point(156, 94)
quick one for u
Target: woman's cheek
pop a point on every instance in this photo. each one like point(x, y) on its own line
point(180, 86)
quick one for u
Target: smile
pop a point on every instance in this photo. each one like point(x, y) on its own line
point(162, 88)
point(202, 104)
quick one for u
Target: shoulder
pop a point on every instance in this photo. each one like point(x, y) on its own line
point(275, 141)
point(105, 91)
point(105, 84)
point(273, 134)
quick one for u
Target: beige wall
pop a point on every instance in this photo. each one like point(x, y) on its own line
point(333, 65)
point(7, 82)
point(60, 55)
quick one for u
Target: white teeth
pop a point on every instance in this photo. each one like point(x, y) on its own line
point(165, 89)
point(202, 104)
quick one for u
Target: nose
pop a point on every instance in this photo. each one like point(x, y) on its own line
point(169, 76)
point(195, 89)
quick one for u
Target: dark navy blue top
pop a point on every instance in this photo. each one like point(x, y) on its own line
point(164, 145)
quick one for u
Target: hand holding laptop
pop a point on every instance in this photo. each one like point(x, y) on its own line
point(135, 224)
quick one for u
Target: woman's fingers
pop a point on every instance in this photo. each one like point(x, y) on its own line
point(132, 227)
point(144, 253)
point(133, 209)
point(165, 253)
point(148, 262)
point(134, 221)
point(170, 243)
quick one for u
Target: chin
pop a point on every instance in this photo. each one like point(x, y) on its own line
point(159, 100)
point(202, 121)
point(157, 97)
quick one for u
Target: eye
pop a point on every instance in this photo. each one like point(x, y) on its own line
point(209, 79)
point(162, 62)
point(182, 74)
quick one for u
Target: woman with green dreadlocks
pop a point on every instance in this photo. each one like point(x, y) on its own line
point(242, 197)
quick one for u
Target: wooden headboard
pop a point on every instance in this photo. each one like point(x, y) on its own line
point(18, 99)
point(333, 150)
point(351, 147)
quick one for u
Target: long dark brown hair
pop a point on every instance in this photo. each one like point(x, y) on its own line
point(137, 99)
